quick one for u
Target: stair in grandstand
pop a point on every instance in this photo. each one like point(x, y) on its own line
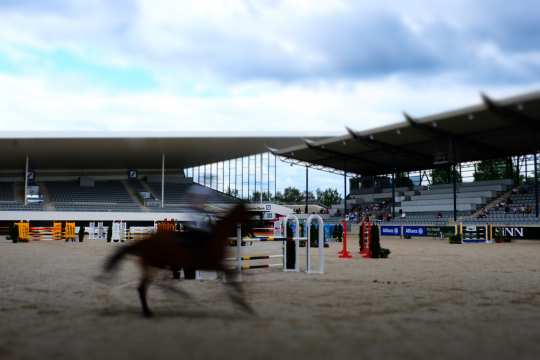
point(133, 189)
point(47, 204)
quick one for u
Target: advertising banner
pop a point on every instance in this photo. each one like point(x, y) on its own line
point(390, 230)
point(437, 231)
point(415, 231)
point(517, 232)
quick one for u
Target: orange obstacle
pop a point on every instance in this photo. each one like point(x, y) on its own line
point(344, 253)
point(70, 231)
point(24, 231)
point(166, 226)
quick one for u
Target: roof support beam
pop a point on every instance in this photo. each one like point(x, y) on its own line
point(380, 144)
point(338, 154)
point(451, 136)
point(510, 115)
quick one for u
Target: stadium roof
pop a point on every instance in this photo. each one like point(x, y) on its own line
point(113, 150)
point(492, 129)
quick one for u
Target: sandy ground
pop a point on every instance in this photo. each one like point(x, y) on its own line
point(429, 300)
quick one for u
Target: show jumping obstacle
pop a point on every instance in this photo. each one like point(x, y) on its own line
point(344, 253)
point(240, 260)
point(366, 239)
point(39, 233)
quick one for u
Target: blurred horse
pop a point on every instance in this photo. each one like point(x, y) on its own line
point(191, 249)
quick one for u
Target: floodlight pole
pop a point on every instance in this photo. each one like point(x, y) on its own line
point(162, 180)
point(536, 186)
point(26, 181)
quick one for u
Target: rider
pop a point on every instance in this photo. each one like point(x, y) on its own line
point(200, 217)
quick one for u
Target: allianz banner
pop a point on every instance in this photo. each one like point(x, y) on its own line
point(415, 231)
point(517, 232)
point(390, 230)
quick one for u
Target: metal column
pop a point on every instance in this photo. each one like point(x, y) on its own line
point(536, 185)
point(393, 195)
point(26, 181)
point(454, 184)
point(249, 163)
point(268, 175)
point(344, 190)
point(307, 188)
point(275, 175)
point(242, 177)
point(162, 180)
point(229, 186)
point(262, 177)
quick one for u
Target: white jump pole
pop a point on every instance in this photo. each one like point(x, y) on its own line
point(296, 236)
point(321, 243)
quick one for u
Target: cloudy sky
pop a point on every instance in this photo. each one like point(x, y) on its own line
point(256, 65)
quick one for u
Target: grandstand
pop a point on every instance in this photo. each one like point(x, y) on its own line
point(87, 177)
point(95, 176)
point(507, 128)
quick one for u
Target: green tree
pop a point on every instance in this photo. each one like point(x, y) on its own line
point(292, 195)
point(495, 169)
point(328, 197)
point(232, 192)
point(256, 196)
point(442, 175)
point(402, 180)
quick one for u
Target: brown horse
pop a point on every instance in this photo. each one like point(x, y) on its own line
point(191, 249)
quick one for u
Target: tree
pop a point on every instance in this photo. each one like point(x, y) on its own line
point(292, 195)
point(402, 180)
point(232, 192)
point(443, 175)
point(256, 196)
point(328, 197)
point(496, 169)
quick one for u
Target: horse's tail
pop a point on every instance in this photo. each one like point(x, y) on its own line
point(113, 261)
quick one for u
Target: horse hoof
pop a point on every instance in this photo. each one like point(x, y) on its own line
point(148, 314)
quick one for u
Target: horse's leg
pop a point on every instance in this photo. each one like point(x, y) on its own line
point(142, 289)
point(237, 293)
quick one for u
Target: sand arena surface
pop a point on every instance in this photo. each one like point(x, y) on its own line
point(429, 300)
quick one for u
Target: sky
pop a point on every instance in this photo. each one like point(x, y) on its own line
point(265, 65)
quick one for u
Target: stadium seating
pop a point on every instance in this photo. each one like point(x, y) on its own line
point(175, 194)
point(103, 196)
point(439, 198)
point(518, 207)
point(7, 191)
